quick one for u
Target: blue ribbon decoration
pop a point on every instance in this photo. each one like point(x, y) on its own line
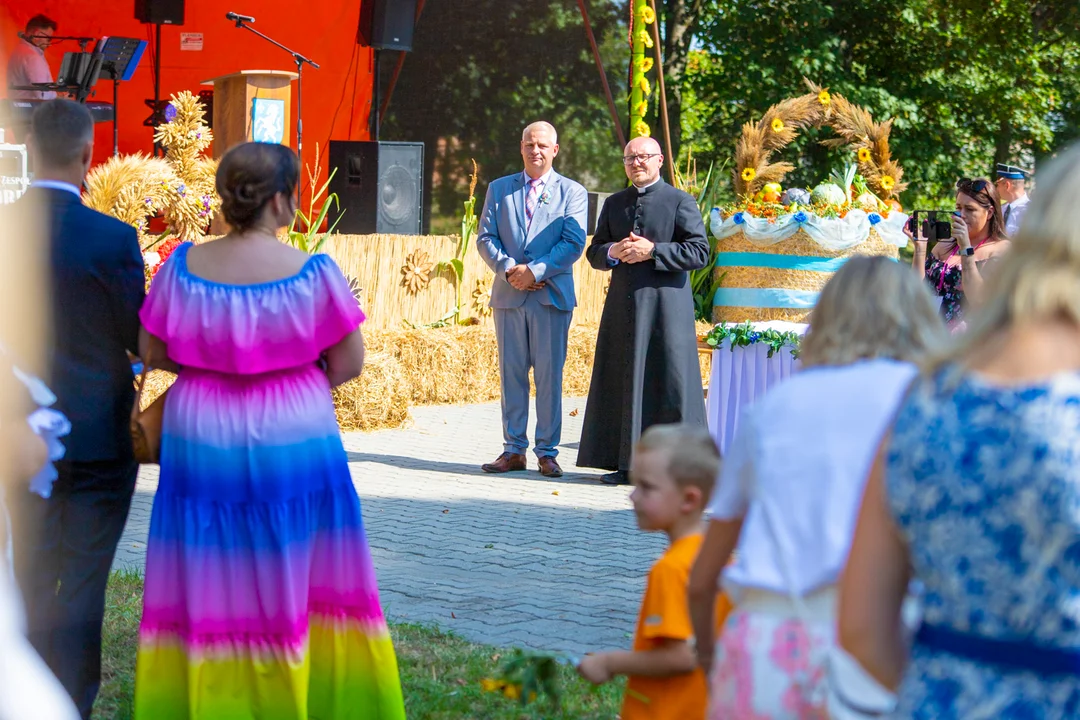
point(780, 262)
point(765, 298)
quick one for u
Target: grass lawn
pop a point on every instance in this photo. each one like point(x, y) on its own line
point(440, 672)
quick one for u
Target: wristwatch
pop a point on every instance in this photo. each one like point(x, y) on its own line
point(969, 251)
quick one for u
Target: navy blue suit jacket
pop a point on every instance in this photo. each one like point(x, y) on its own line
point(97, 289)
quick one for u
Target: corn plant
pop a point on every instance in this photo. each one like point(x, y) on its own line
point(701, 281)
point(310, 240)
point(456, 264)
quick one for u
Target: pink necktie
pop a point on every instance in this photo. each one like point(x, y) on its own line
point(531, 200)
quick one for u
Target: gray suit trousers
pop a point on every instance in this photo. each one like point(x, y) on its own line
point(532, 336)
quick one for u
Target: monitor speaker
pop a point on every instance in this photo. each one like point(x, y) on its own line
point(379, 187)
point(387, 24)
point(160, 12)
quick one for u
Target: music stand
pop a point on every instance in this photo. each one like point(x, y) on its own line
point(79, 73)
point(120, 57)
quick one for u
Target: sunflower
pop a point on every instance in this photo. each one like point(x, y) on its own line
point(481, 298)
point(416, 272)
point(646, 64)
point(748, 174)
point(645, 39)
point(642, 108)
point(887, 183)
point(824, 98)
point(641, 129)
point(646, 88)
point(647, 15)
point(864, 155)
point(777, 125)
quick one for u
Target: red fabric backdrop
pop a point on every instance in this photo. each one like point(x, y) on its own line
point(337, 97)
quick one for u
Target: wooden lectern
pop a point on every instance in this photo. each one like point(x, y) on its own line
point(234, 97)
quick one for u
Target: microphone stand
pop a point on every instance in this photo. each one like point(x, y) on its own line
point(299, 60)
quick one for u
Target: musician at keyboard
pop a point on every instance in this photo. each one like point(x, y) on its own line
point(27, 64)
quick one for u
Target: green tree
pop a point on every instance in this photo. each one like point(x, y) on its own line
point(969, 82)
point(483, 69)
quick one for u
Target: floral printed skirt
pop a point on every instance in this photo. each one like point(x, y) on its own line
point(770, 664)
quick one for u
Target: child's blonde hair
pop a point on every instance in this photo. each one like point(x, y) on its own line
point(695, 459)
point(1039, 278)
point(873, 307)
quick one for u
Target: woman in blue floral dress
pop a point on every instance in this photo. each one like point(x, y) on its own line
point(976, 495)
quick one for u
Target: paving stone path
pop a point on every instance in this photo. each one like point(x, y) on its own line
point(510, 560)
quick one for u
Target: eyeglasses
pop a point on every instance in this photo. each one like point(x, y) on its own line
point(631, 159)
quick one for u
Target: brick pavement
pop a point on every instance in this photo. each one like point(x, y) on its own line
point(513, 559)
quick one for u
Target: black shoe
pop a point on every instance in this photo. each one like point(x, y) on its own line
point(616, 478)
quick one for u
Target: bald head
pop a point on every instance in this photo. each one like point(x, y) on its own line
point(645, 160)
point(643, 146)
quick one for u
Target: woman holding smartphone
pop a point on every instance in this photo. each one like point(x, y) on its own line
point(955, 267)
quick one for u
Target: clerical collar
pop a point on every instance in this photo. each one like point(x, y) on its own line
point(641, 190)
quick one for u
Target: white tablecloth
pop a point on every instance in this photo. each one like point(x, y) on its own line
point(742, 376)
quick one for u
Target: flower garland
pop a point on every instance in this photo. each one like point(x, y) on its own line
point(642, 16)
point(745, 335)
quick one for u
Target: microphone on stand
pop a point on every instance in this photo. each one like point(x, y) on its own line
point(239, 18)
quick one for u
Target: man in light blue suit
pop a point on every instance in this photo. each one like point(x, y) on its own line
point(532, 230)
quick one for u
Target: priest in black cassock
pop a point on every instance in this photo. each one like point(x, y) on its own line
point(646, 369)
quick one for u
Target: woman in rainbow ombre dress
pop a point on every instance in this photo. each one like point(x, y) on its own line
point(260, 600)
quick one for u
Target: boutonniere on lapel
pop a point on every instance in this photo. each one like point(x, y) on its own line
point(545, 197)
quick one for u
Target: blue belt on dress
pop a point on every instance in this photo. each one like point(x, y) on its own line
point(1006, 654)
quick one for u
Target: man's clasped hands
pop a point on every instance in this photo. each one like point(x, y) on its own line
point(632, 249)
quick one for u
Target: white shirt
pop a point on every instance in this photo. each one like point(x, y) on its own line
point(26, 66)
point(1016, 210)
point(57, 185)
point(807, 446)
point(543, 181)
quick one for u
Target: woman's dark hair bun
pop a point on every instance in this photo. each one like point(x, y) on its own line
point(249, 176)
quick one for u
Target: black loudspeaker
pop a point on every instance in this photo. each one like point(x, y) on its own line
point(379, 187)
point(387, 24)
point(596, 204)
point(160, 12)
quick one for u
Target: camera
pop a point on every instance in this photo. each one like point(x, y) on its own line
point(932, 228)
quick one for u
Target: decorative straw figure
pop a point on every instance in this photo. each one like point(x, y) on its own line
point(186, 136)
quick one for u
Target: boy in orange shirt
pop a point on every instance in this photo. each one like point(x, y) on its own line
point(673, 470)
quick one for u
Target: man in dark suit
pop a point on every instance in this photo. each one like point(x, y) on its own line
point(64, 545)
point(646, 370)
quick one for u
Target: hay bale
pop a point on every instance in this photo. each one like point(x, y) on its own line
point(378, 399)
point(760, 278)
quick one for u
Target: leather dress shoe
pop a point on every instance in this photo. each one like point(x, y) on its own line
point(549, 467)
point(618, 477)
point(507, 462)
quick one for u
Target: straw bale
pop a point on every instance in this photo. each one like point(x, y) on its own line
point(801, 245)
point(376, 400)
point(754, 277)
point(736, 315)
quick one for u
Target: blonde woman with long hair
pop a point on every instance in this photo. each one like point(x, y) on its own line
point(790, 488)
point(976, 494)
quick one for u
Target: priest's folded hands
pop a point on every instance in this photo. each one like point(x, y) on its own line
point(632, 249)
